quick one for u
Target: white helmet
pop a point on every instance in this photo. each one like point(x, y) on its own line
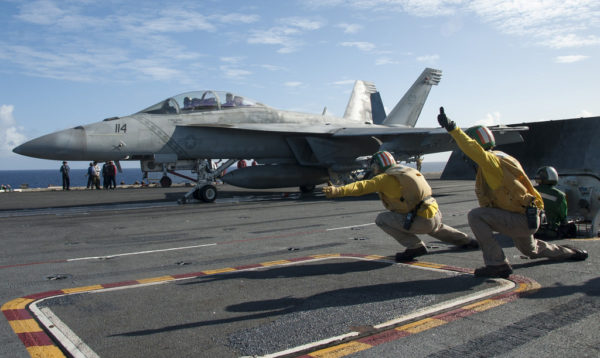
point(547, 175)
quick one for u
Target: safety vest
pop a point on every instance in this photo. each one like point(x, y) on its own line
point(414, 189)
point(515, 193)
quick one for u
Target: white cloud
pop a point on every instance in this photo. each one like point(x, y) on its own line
point(234, 73)
point(293, 84)
point(301, 23)
point(570, 58)
point(343, 82)
point(350, 28)
point(273, 67)
point(232, 59)
point(286, 36)
point(571, 40)
point(490, 119)
point(585, 113)
point(238, 18)
point(361, 45)
point(428, 58)
point(385, 61)
point(552, 23)
point(549, 23)
point(10, 133)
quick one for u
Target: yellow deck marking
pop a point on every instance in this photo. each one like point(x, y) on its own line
point(212, 272)
point(45, 351)
point(25, 326)
point(422, 325)
point(484, 305)
point(374, 257)
point(82, 289)
point(274, 263)
point(427, 264)
point(17, 304)
point(156, 279)
point(325, 256)
point(340, 350)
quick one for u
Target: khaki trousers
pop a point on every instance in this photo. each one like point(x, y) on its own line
point(484, 221)
point(392, 223)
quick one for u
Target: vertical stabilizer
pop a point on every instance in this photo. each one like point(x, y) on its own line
point(377, 109)
point(359, 105)
point(409, 108)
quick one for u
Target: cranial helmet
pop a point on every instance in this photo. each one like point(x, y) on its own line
point(483, 136)
point(384, 160)
point(547, 175)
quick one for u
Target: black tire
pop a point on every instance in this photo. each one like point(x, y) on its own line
point(196, 194)
point(165, 181)
point(208, 193)
point(306, 189)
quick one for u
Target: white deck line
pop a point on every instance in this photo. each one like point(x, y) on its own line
point(139, 252)
point(61, 332)
point(505, 286)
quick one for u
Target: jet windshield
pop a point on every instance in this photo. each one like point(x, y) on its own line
point(200, 101)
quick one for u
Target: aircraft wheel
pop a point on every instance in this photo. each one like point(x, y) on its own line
point(207, 193)
point(196, 194)
point(165, 181)
point(307, 188)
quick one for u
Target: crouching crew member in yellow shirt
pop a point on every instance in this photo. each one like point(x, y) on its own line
point(412, 210)
point(508, 202)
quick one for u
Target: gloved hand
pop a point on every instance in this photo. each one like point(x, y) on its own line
point(331, 192)
point(444, 121)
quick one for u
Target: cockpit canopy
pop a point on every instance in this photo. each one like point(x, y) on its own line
point(200, 101)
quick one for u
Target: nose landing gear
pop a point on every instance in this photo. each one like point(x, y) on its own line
point(205, 189)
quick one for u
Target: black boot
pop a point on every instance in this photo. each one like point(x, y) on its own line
point(579, 254)
point(410, 254)
point(471, 245)
point(502, 271)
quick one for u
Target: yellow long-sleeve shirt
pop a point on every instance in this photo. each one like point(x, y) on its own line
point(386, 185)
point(487, 161)
point(491, 169)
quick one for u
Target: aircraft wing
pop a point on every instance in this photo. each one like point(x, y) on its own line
point(271, 127)
point(403, 141)
point(406, 141)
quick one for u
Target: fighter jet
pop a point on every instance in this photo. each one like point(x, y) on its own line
point(292, 148)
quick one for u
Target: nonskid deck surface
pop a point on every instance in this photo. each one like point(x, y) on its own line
point(268, 272)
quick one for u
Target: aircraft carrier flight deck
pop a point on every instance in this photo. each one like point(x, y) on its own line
point(275, 273)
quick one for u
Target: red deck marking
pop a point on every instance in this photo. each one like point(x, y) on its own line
point(33, 339)
point(383, 337)
point(455, 314)
point(39, 296)
point(15, 315)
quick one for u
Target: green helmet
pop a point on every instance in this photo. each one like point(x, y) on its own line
point(483, 136)
point(384, 160)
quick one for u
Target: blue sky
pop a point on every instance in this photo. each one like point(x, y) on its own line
point(71, 62)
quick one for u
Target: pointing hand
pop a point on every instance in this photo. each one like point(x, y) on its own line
point(444, 121)
point(331, 191)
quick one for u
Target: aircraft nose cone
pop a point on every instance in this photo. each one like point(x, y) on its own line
point(68, 144)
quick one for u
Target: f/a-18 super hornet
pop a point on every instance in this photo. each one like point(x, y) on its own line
point(292, 148)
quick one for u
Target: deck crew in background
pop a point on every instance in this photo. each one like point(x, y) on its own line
point(509, 204)
point(556, 225)
point(66, 179)
point(412, 210)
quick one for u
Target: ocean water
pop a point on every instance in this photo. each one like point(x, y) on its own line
point(49, 177)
